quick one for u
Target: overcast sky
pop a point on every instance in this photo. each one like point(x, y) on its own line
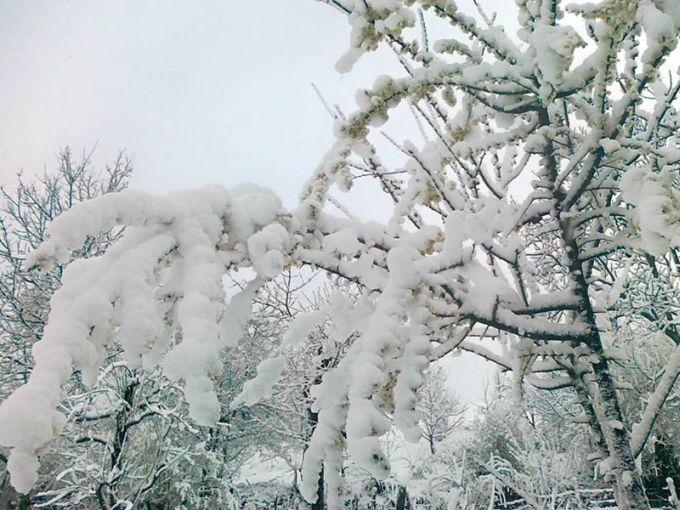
point(198, 92)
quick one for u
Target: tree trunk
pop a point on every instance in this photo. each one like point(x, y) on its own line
point(105, 492)
point(313, 419)
point(10, 498)
point(319, 503)
point(600, 387)
point(402, 499)
point(629, 493)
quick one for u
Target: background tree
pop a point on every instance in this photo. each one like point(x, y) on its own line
point(440, 411)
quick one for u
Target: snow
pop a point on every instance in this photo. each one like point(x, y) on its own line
point(659, 28)
point(23, 466)
point(266, 249)
point(656, 207)
point(554, 50)
point(268, 372)
point(236, 314)
point(302, 326)
point(344, 242)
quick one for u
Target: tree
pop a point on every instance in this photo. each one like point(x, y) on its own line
point(440, 411)
point(434, 469)
point(588, 117)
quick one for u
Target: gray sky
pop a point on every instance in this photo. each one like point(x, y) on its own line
point(209, 91)
point(198, 92)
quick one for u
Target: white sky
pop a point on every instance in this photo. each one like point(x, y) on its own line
point(198, 92)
